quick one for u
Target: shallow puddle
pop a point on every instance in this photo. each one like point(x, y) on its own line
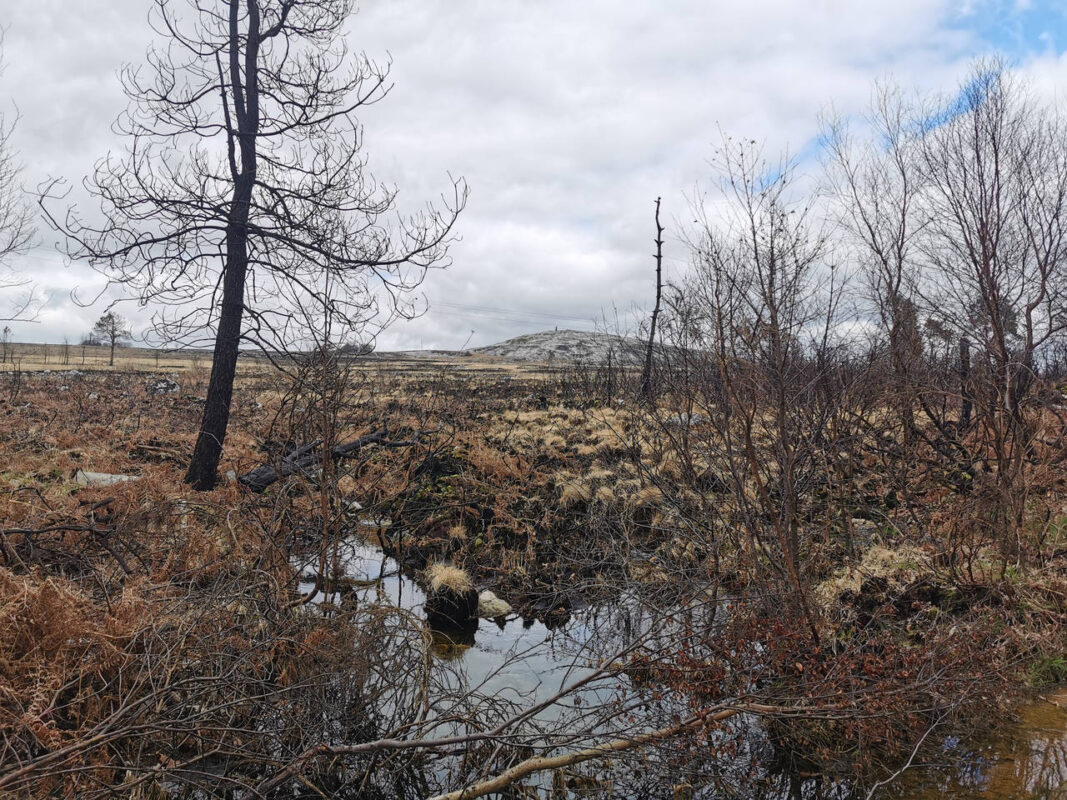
point(520, 661)
point(1028, 760)
point(524, 662)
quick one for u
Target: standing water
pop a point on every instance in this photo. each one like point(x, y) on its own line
point(524, 663)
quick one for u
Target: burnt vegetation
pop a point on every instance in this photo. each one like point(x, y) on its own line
point(822, 515)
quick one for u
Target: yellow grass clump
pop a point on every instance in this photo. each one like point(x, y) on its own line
point(604, 494)
point(574, 493)
point(649, 495)
point(899, 564)
point(554, 440)
point(446, 577)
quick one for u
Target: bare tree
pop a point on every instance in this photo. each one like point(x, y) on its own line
point(111, 328)
point(760, 303)
point(16, 219)
point(244, 188)
point(995, 240)
point(876, 181)
point(17, 227)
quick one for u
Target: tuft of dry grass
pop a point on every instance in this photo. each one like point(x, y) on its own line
point(574, 493)
point(898, 565)
point(649, 495)
point(604, 494)
point(446, 577)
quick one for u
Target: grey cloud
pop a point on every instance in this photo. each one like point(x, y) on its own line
point(566, 118)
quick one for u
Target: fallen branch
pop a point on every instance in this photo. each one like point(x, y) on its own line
point(520, 770)
point(306, 457)
point(543, 763)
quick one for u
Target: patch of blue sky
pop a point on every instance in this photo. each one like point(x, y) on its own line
point(1016, 28)
point(970, 97)
point(1012, 29)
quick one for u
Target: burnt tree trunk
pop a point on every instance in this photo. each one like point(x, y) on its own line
point(965, 383)
point(646, 375)
point(242, 128)
point(306, 458)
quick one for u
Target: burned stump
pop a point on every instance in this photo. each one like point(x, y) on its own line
point(451, 599)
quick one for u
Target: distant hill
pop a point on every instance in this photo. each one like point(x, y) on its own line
point(572, 346)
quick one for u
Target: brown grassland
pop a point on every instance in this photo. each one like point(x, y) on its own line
point(150, 630)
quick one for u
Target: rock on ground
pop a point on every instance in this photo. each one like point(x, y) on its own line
point(490, 606)
point(101, 478)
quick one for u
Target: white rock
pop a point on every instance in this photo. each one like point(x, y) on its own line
point(164, 386)
point(490, 606)
point(101, 478)
point(375, 523)
point(686, 420)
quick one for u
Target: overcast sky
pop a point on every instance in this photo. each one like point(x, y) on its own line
point(566, 118)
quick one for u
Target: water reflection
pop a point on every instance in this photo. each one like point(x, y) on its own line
point(1029, 759)
point(516, 661)
point(519, 668)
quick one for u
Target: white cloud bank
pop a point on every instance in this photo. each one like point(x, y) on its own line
point(566, 118)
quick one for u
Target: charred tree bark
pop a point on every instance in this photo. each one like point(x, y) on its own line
point(264, 221)
point(967, 402)
point(646, 375)
point(203, 467)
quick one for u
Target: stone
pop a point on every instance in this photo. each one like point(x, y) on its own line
point(687, 420)
point(164, 386)
point(86, 478)
point(863, 529)
point(490, 606)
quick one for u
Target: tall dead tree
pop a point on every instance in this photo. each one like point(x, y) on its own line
point(876, 182)
point(758, 308)
point(243, 198)
point(646, 374)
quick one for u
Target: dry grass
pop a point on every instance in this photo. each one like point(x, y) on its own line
point(897, 566)
point(57, 357)
point(647, 496)
point(574, 493)
point(446, 577)
point(497, 492)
